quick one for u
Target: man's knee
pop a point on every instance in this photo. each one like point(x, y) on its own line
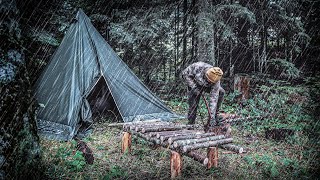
point(221, 93)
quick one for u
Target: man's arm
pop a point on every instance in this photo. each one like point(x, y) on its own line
point(214, 95)
point(188, 76)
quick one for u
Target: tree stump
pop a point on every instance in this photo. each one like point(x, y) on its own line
point(175, 164)
point(126, 142)
point(212, 157)
point(242, 84)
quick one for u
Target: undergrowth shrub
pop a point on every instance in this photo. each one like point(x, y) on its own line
point(65, 160)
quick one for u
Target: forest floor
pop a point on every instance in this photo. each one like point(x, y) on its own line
point(296, 157)
point(264, 159)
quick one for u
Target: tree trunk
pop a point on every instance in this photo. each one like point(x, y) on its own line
point(185, 29)
point(231, 65)
point(264, 41)
point(204, 42)
point(177, 29)
point(194, 31)
point(242, 85)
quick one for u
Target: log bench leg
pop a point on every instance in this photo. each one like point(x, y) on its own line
point(175, 164)
point(212, 157)
point(126, 142)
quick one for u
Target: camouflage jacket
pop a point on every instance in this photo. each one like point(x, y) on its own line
point(194, 76)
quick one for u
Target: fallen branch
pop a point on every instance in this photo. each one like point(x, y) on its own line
point(134, 126)
point(166, 137)
point(132, 123)
point(167, 128)
point(190, 136)
point(198, 157)
point(175, 133)
point(206, 144)
point(145, 137)
point(232, 147)
point(194, 141)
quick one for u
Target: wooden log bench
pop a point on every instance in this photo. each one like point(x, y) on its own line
point(183, 140)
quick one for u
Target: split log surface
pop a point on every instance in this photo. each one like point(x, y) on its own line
point(206, 144)
point(190, 136)
point(175, 164)
point(194, 141)
point(232, 147)
point(212, 157)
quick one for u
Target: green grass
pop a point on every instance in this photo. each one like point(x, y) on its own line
point(264, 159)
point(295, 158)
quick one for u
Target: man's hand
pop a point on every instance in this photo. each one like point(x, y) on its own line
point(195, 91)
point(213, 121)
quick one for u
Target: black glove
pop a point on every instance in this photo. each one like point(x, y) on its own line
point(213, 122)
point(195, 91)
point(219, 119)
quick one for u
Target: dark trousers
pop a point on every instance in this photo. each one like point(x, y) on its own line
point(193, 101)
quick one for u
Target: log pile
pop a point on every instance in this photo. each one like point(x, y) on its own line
point(184, 139)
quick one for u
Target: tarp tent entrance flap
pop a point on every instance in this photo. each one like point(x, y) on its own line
point(81, 59)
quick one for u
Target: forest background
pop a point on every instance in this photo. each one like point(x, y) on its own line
point(274, 41)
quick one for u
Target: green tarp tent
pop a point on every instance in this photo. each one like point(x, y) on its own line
point(83, 58)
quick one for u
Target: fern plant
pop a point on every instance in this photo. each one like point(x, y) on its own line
point(284, 68)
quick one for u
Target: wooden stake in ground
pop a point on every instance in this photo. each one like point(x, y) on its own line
point(175, 164)
point(132, 123)
point(212, 157)
point(126, 142)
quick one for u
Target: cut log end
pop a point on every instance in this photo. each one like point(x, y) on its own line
point(205, 161)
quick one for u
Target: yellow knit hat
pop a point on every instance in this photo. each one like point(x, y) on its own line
point(214, 74)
